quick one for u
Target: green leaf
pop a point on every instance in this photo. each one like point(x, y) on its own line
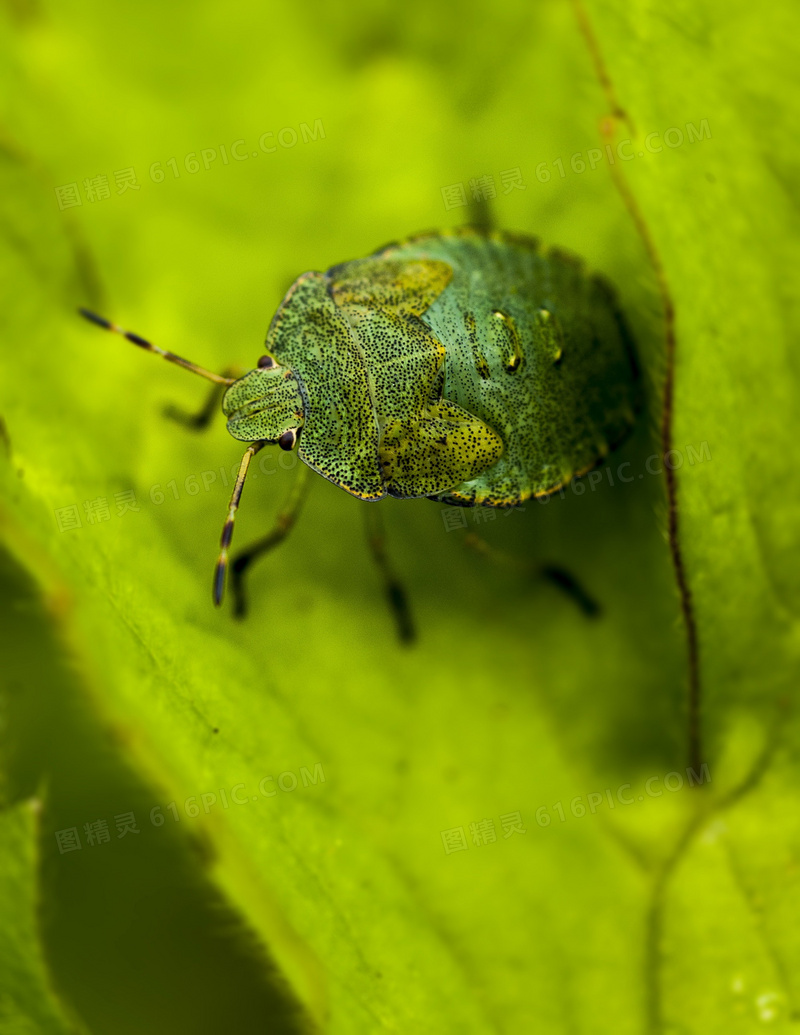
point(291, 776)
point(27, 1003)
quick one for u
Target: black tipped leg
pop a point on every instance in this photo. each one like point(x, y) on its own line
point(195, 421)
point(480, 215)
point(200, 421)
point(558, 576)
point(573, 589)
point(395, 592)
point(398, 601)
point(238, 568)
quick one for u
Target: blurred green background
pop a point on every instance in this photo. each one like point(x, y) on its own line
point(322, 829)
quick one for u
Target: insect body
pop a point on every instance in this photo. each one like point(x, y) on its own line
point(472, 368)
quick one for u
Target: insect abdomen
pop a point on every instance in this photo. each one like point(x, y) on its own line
point(535, 348)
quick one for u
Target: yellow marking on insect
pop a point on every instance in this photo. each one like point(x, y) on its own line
point(553, 333)
point(506, 337)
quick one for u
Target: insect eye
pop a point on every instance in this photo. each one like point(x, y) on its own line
point(266, 362)
point(288, 439)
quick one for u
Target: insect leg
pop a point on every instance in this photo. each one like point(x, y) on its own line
point(283, 525)
point(199, 421)
point(480, 215)
point(570, 585)
point(395, 592)
point(558, 576)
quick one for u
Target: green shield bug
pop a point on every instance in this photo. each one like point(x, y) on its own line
point(472, 367)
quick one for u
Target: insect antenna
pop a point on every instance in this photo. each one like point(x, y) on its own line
point(227, 529)
point(143, 343)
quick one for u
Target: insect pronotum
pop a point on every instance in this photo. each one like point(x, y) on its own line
point(472, 367)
